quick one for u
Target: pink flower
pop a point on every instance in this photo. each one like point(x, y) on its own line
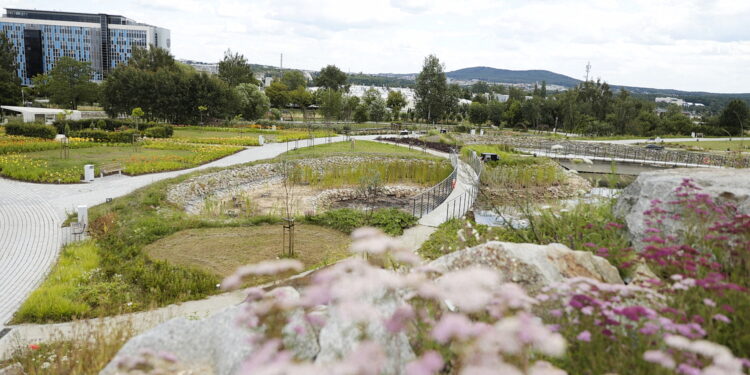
point(709, 302)
point(722, 318)
point(429, 363)
point(398, 320)
point(584, 336)
point(659, 357)
point(456, 326)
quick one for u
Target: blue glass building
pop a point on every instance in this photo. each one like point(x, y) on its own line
point(42, 37)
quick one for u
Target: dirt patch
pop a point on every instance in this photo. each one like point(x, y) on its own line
point(573, 186)
point(221, 250)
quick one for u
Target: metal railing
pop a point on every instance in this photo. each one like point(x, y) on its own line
point(461, 204)
point(609, 151)
point(431, 198)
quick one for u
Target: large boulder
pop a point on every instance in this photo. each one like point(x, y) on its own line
point(721, 184)
point(529, 265)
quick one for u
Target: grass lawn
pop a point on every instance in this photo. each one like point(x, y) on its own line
point(717, 145)
point(220, 251)
point(358, 147)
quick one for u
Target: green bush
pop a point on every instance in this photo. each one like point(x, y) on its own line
point(390, 220)
point(31, 130)
point(98, 135)
point(103, 124)
point(161, 131)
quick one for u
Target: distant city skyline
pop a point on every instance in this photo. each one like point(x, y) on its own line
point(686, 45)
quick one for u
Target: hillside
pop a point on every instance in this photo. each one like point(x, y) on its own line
point(484, 73)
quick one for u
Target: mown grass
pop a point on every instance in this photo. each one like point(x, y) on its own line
point(357, 148)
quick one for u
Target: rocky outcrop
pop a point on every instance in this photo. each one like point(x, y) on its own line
point(529, 265)
point(722, 184)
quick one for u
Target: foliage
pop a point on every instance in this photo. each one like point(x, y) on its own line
point(199, 154)
point(97, 135)
point(21, 167)
point(478, 113)
point(31, 130)
point(734, 117)
point(278, 94)
point(155, 83)
point(294, 79)
point(361, 113)
point(253, 104)
point(431, 90)
point(395, 102)
point(70, 83)
point(18, 144)
point(163, 131)
point(331, 77)
point(390, 220)
point(390, 171)
point(58, 298)
point(235, 70)
point(10, 83)
point(331, 103)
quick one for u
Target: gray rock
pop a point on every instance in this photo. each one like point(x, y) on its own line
point(215, 342)
point(340, 335)
point(529, 265)
point(722, 184)
point(14, 369)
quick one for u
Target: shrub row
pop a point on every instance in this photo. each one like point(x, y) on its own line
point(31, 130)
point(98, 135)
point(160, 131)
point(103, 124)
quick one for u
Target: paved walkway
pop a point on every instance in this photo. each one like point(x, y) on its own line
point(557, 155)
point(686, 139)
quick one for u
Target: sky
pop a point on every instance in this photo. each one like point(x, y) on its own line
point(695, 45)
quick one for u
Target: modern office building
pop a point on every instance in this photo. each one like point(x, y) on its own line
point(42, 37)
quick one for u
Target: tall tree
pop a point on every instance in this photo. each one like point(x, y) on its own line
point(478, 113)
point(331, 103)
point(293, 79)
point(494, 112)
point(331, 77)
point(395, 102)
point(734, 117)
point(234, 69)
point(253, 103)
point(430, 90)
point(10, 83)
point(278, 93)
point(70, 83)
point(152, 59)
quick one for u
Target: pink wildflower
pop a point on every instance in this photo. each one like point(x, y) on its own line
point(398, 320)
point(657, 356)
point(584, 336)
point(429, 363)
point(721, 318)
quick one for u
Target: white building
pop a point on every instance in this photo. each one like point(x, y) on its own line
point(45, 115)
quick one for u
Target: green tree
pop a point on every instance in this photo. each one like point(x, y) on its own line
point(253, 104)
point(361, 113)
point(10, 83)
point(70, 83)
point(331, 103)
point(301, 97)
point(331, 77)
point(395, 102)
point(234, 70)
point(350, 106)
point(293, 79)
point(430, 90)
point(477, 113)
point(136, 114)
point(278, 94)
point(495, 112)
point(152, 59)
point(377, 109)
point(512, 113)
point(733, 117)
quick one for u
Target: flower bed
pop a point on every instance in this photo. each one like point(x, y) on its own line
point(21, 167)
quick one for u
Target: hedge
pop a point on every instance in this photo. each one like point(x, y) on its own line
point(161, 131)
point(31, 130)
point(98, 135)
point(103, 124)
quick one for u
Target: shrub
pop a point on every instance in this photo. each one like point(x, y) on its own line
point(98, 135)
point(31, 130)
point(161, 131)
point(390, 220)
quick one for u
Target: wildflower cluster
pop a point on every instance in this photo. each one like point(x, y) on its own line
point(22, 167)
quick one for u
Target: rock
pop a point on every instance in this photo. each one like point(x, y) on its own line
point(216, 345)
point(721, 184)
point(340, 335)
point(14, 369)
point(532, 266)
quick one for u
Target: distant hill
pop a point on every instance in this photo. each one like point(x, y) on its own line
point(484, 73)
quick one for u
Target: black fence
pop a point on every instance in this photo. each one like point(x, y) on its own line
point(430, 199)
point(611, 151)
